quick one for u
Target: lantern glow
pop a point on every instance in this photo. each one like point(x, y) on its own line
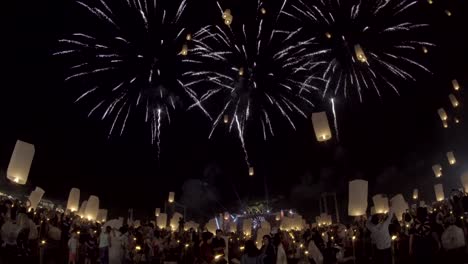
point(442, 114)
point(73, 200)
point(251, 171)
point(321, 126)
point(437, 169)
point(360, 55)
point(464, 180)
point(380, 204)
point(439, 192)
point(92, 208)
point(415, 194)
point(456, 85)
point(184, 50)
point(328, 35)
point(357, 202)
point(453, 100)
point(20, 162)
point(171, 198)
point(227, 17)
point(451, 158)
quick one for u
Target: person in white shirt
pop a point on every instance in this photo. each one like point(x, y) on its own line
point(72, 248)
point(381, 235)
point(453, 242)
point(104, 245)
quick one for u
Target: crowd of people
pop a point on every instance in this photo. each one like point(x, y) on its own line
point(426, 235)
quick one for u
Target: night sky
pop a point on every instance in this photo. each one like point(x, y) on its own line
point(392, 141)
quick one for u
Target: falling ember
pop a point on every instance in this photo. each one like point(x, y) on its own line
point(360, 53)
point(251, 171)
point(328, 35)
point(456, 85)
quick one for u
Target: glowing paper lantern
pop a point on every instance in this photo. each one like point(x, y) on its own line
point(247, 226)
point(430, 2)
point(188, 37)
point(81, 212)
point(451, 158)
point(439, 192)
point(20, 162)
point(437, 169)
point(360, 55)
point(263, 11)
point(161, 221)
point(171, 198)
point(251, 171)
point(35, 197)
point(184, 50)
point(226, 119)
point(399, 206)
point(233, 227)
point(445, 123)
point(328, 35)
point(211, 226)
point(464, 180)
point(157, 212)
point(453, 100)
point(415, 194)
point(175, 221)
point(456, 85)
point(102, 215)
point(260, 233)
point(380, 203)
point(321, 126)
point(425, 50)
point(442, 114)
point(73, 200)
point(92, 208)
point(226, 216)
point(227, 17)
point(278, 217)
point(448, 13)
point(357, 202)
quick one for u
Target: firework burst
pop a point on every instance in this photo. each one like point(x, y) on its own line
point(254, 69)
point(362, 44)
point(131, 65)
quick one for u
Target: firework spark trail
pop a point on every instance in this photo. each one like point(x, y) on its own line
point(353, 62)
point(141, 73)
point(335, 119)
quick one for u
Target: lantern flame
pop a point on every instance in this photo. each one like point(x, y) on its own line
point(360, 55)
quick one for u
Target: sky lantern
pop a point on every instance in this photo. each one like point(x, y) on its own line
point(227, 16)
point(92, 208)
point(81, 212)
point(456, 85)
point(161, 221)
point(437, 169)
point(247, 226)
point(380, 204)
point(188, 37)
point(184, 50)
point(251, 171)
point(439, 192)
point(360, 55)
point(226, 119)
point(35, 197)
point(448, 13)
point(415, 194)
point(175, 221)
point(171, 198)
point(321, 126)
point(73, 202)
point(20, 162)
point(425, 50)
point(328, 35)
point(157, 212)
point(464, 180)
point(430, 2)
point(445, 123)
point(357, 202)
point(442, 114)
point(226, 216)
point(399, 206)
point(102, 215)
point(263, 10)
point(451, 158)
point(453, 100)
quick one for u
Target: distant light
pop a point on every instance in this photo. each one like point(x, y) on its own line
point(425, 50)
point(188, 37)
point(394, 237)
point(448, 13)
point(138, 248)
point(328, 35)
point(430, 2)
point(263, 10)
